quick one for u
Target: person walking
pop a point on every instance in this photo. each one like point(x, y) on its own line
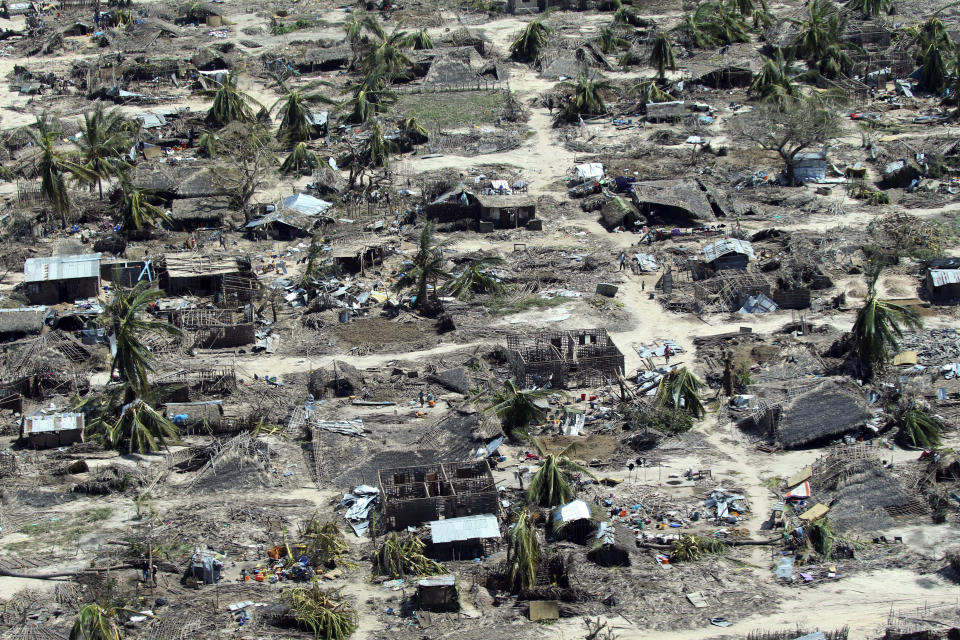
point(623, 260)
point(667, 353)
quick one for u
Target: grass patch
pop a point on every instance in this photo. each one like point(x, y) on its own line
point(453, 109)
point(506, 307)
point(58, 530)
point(773, 483)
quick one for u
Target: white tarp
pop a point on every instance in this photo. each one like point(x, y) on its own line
point(590, 171)
point(305, 204)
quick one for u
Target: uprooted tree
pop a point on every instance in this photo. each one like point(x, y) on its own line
point(798, 125)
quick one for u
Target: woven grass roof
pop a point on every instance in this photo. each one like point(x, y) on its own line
point(824, 413)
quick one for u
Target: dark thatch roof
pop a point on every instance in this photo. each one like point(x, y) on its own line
point(823, 413)
point(686, 195)
point(22, 321)
point(450, 70)
point(179, 181)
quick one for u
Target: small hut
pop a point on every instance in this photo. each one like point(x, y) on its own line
point(196, 274)
point(21, 322)
point(729, 253)
point(464, 538)
point(189, 214)
point(943, 285)
point(438, 593)
point(43, 430)
point(62, 278)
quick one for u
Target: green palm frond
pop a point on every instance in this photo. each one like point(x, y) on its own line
point(524, 553)
point(301, 161)
point(661, 55)
point(529, 44)
point(517, 408)
point(475, 278)
point(680, 390)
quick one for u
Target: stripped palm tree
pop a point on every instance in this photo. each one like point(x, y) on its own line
point(661, 55)
point(137, 208)
point(301, 161)
point(550, 486)
point(528, 46)
point(523, 553)
point(476, 278)
point(517, 408)
point(427, 266)
point(680, 390)
point(230, 104)
point(878, 326)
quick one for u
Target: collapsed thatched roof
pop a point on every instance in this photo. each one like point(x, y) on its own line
point(213, 209)
point(687, 195)
point(825, 412)
point(179, 181)
point(22, 321)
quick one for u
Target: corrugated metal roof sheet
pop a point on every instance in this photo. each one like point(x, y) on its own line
point(40, 423)
point(62, 268)
point(465, 528)
point(723, 247)
point(576, 510)
point(941, 277)
point(438, 581)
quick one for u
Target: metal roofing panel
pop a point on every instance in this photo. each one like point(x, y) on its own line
point(576, 510)
point(465, 528)
point(438, 581)
point(941, 277)
point(721, 248)
point(62, 268)
point(41, 423)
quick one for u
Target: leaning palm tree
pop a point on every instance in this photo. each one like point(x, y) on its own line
point(878, 325)
point(207, 144)
point(934, 73)
point(230, 104)
point(370, 97)
point(661, 55)
point(301, 161)
point(137, 208)
point(871, 8)
point(550, 486)
point(835, 61)
point(93, 622)
point(775, 82)
point(648, 91)
point(587, 98)
point(53, 166)
point(412, 132)
point(918, 428)
point(680, 390)
point(517, 408)
point(523, 554)
point(476, 277)
point(529, 44)
point(125, 323)
point(102, 146)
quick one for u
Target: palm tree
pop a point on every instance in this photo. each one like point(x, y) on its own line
point(476, 277)
point(230, 104)
point(137, 210)
point(680, 390)
point(626, 15)
point(53, 166)
point(933, 31)
point(609, 40)
point(517, 408)
point(528, 45)
point(587, 97)
point(297, 123)
point(412, 132)
point(550, 486)
point(835, 61)
point(661, 55)
point(427, 266)
point(775, 83)
point(93, 622)
point(383, 52)
point(712, 24)
point(300, 161)
point(420, 40)
point(524, 553)
point(933, 74)
point(878, 325)
point(648, 91)
point(376, 148)
point(370, 97)
point(124, 321)
point(919, 429)
point(139, 426)
point(871, 8)
point(821, 29)
point(207, 144)
point(102, 145)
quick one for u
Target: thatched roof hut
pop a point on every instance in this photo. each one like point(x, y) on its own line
point(25, 321)
point(807, 416)
point(178, 181)
point(196, 213)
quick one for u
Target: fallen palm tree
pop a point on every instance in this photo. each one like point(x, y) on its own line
point(325, 613)
point(400, 557)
